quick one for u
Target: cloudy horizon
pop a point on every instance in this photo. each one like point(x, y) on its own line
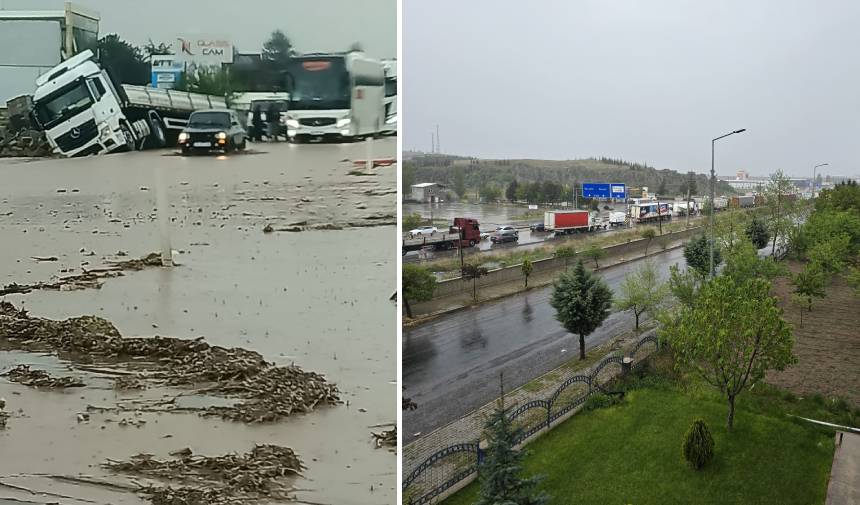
point(648, 82)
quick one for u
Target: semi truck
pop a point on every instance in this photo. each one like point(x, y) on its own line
point(84, 111)
point(647, 212)
point(680, 208)
point(464, 232)
point(563, 222)
point(742, 202)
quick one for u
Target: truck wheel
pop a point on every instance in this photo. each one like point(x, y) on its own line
point(243, 145)
point(472, 243)
point(129, 138)
point(157, 136)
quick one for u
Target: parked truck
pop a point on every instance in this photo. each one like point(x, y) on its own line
point(563, 222)
point(647, 212)
point(84, 111)
point(464, 232)
point(742, 202)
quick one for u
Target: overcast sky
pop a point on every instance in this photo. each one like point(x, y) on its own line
point(312, 25)
point(646, 81)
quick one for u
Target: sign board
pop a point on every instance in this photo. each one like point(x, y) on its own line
point(204, 50)
point(532, 207)
point(604, 190)
point(167, 70)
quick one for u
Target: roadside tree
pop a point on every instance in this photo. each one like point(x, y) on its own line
point(418, 286)
point(527, 268)
point(511, 191)
point(732, 335)
point(648, 234)
point(809, 283)
point(412, 221)
point(778, 205)
point(757, 233)
point(697, 253)
point(831, 254)
point(594, 253)
point(581, 301)
point(566, 252)
point(642, 292)
point(459, 182)
point(473, 272)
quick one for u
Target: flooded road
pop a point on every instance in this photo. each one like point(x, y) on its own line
point(318, 297)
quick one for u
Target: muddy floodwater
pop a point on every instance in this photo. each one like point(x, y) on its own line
point(316, 296)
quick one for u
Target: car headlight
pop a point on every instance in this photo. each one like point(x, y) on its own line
point(220, 135)
point(391, 120)
point(343, 122)
point(293, 123)
point(183, 137)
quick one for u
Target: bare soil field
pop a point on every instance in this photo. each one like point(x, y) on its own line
point(828, 344)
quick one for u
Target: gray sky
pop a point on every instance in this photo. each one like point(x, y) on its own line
point(645, 81)
point(312, 25)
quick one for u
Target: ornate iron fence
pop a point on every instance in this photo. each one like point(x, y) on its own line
point(449, 466)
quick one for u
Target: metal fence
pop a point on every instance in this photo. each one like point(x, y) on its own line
point(448, 469)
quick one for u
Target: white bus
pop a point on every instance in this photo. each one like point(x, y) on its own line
point(338, 96)
point(390, 97)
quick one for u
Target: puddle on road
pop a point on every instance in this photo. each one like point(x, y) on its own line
point(316, 298)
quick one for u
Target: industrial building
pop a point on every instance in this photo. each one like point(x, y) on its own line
point(426, 192)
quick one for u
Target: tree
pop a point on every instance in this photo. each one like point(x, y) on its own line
point(278, 49)
point(124, 61)
point(566, 252)
point(527, 268)
point(511, 191)
point(661, 189)
point(684, 285)
point(777, 187)
point(648, 233)
point(459, 182)
point(732, 335)
point(412, 221)
point(698, 255)
point(418, 285)
point(581, 301)
point(831, 254)
point(473, 272)
point(491, 193)
point(743, 262)
point(408, 175)
point(594, 253)
point(809, 283)
point(641, 292)
point(501, 483)
point(161, 48)
point(757, 233)
point(208, 81)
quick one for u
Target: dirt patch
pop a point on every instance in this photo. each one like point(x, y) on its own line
point(267, 392)
point(22, 374)
point(828, 344)
point(228, 479)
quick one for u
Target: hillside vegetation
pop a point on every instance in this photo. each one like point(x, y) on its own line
point(479, 175)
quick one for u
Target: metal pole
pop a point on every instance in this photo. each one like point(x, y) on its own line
point(711, 218)
point(813, 177)
point(162, 207)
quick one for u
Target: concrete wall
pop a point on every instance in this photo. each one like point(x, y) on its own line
point(514, 272)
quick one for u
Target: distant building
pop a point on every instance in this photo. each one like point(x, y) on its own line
point(426, 192)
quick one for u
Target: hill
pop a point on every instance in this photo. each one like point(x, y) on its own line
point(494, 176)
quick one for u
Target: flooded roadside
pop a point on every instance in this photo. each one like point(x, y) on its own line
point(317, 299)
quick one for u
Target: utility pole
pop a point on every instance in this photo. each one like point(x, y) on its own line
point(438, 149)
point(713, 191)
point(813, 177)
point(432, 143)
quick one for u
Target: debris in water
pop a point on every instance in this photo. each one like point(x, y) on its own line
point(127, 382)
point(22, 374)
point(44, 258)
point(268, 228)
point(386, 438)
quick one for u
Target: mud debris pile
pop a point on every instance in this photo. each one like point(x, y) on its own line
point(22, 374)
point(228, 479)
point(3, 414)
point(267, 392)
point(387, 438)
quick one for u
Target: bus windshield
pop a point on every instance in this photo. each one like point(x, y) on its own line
point(63, 104)
point(318, 84)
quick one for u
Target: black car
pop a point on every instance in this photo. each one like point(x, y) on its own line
point(214, 129)
point(538, 227)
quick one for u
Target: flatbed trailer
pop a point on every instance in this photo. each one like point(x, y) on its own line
point(452, 239)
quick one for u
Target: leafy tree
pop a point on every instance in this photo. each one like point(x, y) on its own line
point(124, 61)
point(698, 255)
point(208, 81)
point(743, 262)
point(412, 221)
point(641, 292)
point(661, 189)
point(581, 301)
point(473, 272)
point(594, 253)
point(853, 279)
point(528, 268)
point(565, 252)
point(809, 283)
point(511, 191)
point(732, 335)
point(831, 254)
point(161, 48)
point(491, 193)
point(757, 233)
point(408, 175)
point(648, 234)
point(278, 49)
point(418, 285)
point(777, 188)
point(500, 474)
point(459, 182)
point(698, 448)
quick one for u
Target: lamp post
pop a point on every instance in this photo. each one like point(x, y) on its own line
point(713, 190)
point(813, 177)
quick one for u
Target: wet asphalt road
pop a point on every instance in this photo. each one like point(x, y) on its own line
point(451, 364)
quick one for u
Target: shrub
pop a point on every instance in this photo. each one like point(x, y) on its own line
point(698, 445)
point(599, 401)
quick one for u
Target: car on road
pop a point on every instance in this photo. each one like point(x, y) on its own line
point(213, 129)
point(537, 227)
point(424, 230)
point(505, 234)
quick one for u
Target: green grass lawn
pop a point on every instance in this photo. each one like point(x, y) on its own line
point(631, 453)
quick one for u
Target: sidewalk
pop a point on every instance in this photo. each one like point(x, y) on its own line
point(844, 487)
point(438, 306)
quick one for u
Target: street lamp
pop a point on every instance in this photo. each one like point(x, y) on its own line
point(813, 177)
point(713, 190)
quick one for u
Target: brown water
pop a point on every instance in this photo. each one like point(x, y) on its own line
point(316, 298)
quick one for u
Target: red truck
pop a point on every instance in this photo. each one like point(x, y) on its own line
point(571, 221)
point(465, 232)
